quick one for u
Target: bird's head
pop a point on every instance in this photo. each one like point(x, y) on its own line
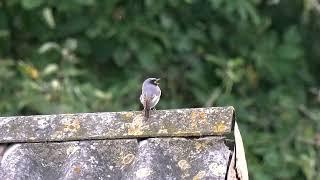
point(154, 81)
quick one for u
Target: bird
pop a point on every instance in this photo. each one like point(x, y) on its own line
point(150, 95)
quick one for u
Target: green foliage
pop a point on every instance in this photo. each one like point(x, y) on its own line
point(260, 56)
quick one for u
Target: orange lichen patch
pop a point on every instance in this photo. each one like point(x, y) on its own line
point(220, 127)
point(134, 131)
point(77, 169)
point(72, 126)
point(198, 117)
point(186, 132)
point(194, 122)
point(183, 164)
point(200, 146)
point(136, 127)
point(127, 116)
point(193, 115)
point(203, 116)
point(200, 175)
point(128, 159)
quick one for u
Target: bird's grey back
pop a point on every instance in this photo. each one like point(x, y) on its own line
point(150, 89)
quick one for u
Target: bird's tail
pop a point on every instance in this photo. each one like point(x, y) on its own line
point(146, 110)
point(147, 113)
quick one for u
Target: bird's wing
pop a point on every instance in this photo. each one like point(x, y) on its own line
point(150, 96)
point(154, 100)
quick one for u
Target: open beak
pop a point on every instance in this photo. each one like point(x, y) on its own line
point(157, 81)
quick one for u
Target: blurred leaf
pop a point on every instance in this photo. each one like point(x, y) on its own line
point(48, 16)
point(48, 46)
point(31, 4)
point(49, 69)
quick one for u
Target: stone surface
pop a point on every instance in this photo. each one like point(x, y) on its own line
point(117, 125)
point(171, 144)
point(153, 158)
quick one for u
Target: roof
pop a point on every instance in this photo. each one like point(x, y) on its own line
point(171, 144)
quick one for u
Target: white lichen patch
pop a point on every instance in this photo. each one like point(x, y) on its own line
point(43, 123)
point(163, 131)
point(93, 161)
point(72, 149)
point(8, 138)
point(143, 172)
point(92, 147)
point(180, 110)
point(217, 169)
point(183, 164)
point(6, 120)
point(106, 117)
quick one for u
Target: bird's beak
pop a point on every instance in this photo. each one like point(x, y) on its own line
point(157, 81)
